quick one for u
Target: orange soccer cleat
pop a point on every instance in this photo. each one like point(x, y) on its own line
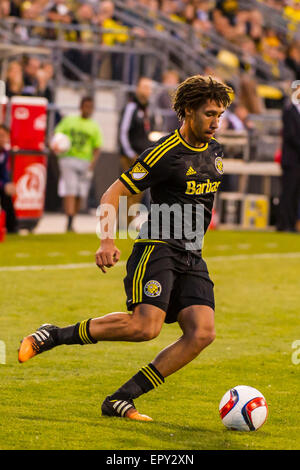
point(36, 343)
point(122, 409)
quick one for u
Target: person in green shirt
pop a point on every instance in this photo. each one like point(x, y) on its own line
point(78, 162)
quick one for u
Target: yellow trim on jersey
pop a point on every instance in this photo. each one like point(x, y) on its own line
point(196, 149)
point(157, 149)
point(136, 274)
point(161, 154)
point(131, 184)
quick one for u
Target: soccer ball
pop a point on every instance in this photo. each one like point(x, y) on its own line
point(243, 408)
point(60, 143)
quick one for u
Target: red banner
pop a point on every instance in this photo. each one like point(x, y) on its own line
point(29, 176)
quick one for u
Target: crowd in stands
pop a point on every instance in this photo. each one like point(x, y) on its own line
point(243, 26)
point(29, 77)
point(251, 38)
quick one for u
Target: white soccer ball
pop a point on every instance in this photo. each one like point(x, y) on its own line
point(243, 408)
point(60, 143)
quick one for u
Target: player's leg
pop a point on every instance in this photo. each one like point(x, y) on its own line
point(148, 283)
point(70, 210)
point(197, 324)
point(191, 303)
point(69, 187)
point(143, 324)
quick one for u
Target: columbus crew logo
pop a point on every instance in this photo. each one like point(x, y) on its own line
point(152, 288)
point(138, 172)
point(219, 165)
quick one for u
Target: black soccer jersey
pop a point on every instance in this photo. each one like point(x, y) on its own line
point(183, 181)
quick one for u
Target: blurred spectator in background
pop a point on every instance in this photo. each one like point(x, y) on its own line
point(248, 59)
point(78, 163)
point(293, 59)
point(84, 16)
point(248, 95)
point(135, 127)
point(7, 188)
point(136, 123)
point(15, 9)
point(30, 72)
point(4, 9)
point(14, 79)
point(111, 67)
point(44, 76)
point(290, 162)
point(34, 78)
point(58, 11)
point(203, 19)
point(232, 20)
point(236, 118)
point(292, 13)
point(164, 101)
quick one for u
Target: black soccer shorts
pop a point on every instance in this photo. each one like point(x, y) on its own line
point(170, 279)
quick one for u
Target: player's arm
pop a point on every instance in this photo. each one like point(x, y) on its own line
point(149, 169)
point(96, 155)
point(97, 144)
point(108, 254)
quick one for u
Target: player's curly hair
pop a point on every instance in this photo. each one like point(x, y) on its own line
point(196, 90)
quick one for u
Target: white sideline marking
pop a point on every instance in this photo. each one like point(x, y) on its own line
point(254, 256)
point(48, 267)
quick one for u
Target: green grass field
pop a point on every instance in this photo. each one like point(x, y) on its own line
point(53, 401)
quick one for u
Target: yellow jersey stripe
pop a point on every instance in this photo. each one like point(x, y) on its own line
point(165, 151)
point(131, 184)
point(155, 376)
point(140, 280)
point(134, 292)
point(145, 372)
point(159, 148)
point(196, 149)
point(156, 156)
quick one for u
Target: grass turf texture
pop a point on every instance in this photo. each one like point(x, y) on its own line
point(53, 401)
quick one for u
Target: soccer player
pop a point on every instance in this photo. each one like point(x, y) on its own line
point(167, 279)
point(7, 187)
point(77, 165)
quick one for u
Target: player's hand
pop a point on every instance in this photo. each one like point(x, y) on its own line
point(107, 255)
point(10, 189)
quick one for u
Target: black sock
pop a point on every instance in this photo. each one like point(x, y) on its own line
point(70, 222)
point(74, 334)
point(145, 380)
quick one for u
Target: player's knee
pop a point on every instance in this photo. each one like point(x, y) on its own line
point(201, 339)
point(145, 332)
